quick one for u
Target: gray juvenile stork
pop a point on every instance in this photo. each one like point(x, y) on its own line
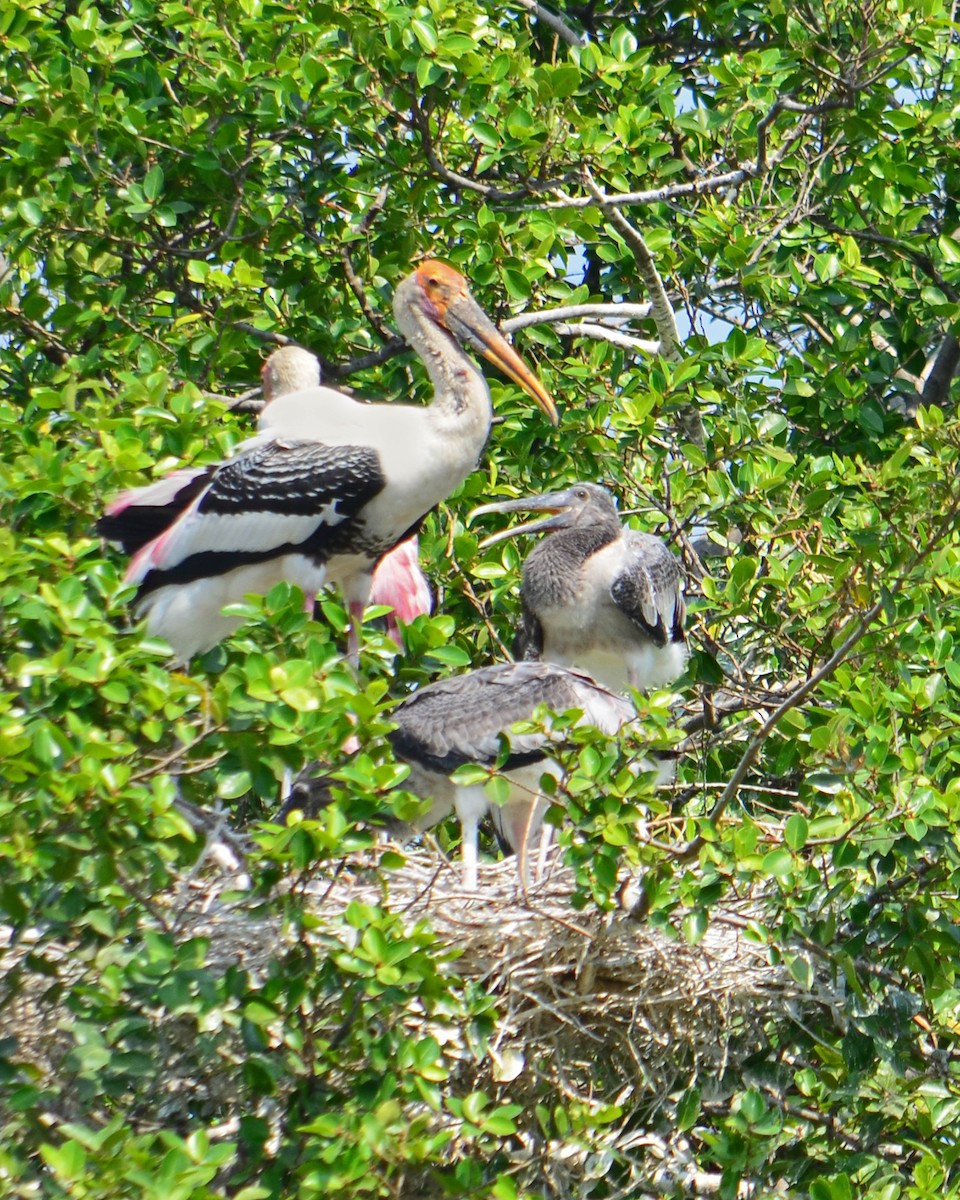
point(332, 484)
point(140, 515)
point(465, 719)
point(596, 595)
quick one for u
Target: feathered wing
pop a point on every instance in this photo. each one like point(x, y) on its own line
point(461, 720)
point(278, 496)
point(528, 643)
point(650, 590)
point(142, 514)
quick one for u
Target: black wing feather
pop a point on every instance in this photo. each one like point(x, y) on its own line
point(137, 524)
point(289, 477)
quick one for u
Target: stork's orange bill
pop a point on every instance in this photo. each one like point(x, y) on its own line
point(466, 320)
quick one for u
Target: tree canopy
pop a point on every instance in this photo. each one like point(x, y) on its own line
point(727, 235)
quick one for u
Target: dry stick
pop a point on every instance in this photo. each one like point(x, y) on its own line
point(800, 694)
point(602, 333)
point(552, 21)
point(662, 309)
point(567, 312)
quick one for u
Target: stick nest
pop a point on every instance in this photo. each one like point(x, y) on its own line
point(596, 1007)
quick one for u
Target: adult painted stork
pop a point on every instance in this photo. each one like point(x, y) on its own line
point(467, 719)
point(140, 515)
point(596, 595)
point(332, 484)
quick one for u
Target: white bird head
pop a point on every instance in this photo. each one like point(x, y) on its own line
point(289, 369)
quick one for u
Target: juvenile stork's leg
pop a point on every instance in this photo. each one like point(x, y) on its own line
point(519, 820)
point(471, 803)
point(355, 608)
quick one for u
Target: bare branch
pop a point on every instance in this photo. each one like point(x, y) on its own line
point(695, 187)
point(663, 313)
point(567, 312)
point(365, 361)
point(604, 334)
point(49, 343)
point(552, 21)
point(934, 382)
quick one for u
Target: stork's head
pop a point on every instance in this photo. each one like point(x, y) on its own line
point(580, 506)
point(289, 369)
point(442, 294)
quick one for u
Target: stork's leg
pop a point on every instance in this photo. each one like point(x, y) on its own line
point(471, 803)
point(546, 840)
point(356, 596)
point(469, 854)
point(393, 631)
point(519, 819)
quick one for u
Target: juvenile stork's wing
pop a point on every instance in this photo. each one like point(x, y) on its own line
point(528, 643)
point(461, 720)
point(278, 496)
point(649, 588)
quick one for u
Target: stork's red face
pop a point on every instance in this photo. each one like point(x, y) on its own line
point(447, 300)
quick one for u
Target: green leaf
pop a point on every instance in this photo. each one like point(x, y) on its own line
point(30, 212)
point(153, 183)
point(425, 34)
point(795, 832)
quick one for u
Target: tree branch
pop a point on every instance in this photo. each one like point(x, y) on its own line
point(552, 21)
point(567, 312)
point(663, 313)
point(800, 693)
point(937, 375)
point(602, 333)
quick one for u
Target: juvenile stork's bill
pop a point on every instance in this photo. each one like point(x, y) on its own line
point(464, 719)
point(595, 594)
point(332, 484)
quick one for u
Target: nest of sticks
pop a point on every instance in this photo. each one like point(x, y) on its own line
point(585, 990)
point(594, 1006)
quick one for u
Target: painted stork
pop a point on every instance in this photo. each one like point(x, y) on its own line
point(468, 718)
point(136, 517)
point(596, 595)
point(142, 514)
point(332, 483)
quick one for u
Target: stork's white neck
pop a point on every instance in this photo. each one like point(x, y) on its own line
point(461, 399)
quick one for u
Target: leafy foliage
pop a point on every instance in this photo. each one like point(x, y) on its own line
point(183, 188)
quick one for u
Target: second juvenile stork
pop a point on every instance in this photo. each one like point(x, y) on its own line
point(595, 594)
point(333, 483)
point(468, 719)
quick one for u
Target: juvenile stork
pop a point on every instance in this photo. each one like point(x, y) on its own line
point(596, 595)
point(468, 718)
point(331, 484)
